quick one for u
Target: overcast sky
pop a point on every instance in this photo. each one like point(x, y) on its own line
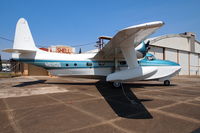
point(76, 22)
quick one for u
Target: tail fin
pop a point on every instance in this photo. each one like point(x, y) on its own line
point(23, 39)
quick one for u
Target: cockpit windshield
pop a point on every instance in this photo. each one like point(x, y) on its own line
point(150, 57)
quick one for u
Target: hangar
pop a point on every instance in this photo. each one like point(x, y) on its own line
point(182, 48)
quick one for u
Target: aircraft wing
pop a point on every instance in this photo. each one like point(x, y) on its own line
point(127, 38)
point(125, 41)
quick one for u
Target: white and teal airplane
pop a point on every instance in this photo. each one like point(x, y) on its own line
point(122, 59)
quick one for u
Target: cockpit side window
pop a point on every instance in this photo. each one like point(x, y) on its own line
point(151, 58)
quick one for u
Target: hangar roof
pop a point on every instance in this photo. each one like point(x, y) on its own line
point(184, 41)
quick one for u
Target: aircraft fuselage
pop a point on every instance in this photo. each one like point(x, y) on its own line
point(88, 67)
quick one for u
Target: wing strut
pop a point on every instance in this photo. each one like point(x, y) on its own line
point(130, 56)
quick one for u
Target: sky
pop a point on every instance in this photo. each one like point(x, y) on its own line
point(77, 22)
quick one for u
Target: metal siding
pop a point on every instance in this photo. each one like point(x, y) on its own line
point(194, 64)
point(199, 63)
point(158, 52)
point(151, 52)
point(171, 54)
point(197, 47)
point(173, 42)
point(184, 62)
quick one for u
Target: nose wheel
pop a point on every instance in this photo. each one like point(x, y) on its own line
point(166, 82)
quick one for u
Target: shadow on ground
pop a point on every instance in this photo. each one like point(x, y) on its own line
point(124, 105)
point(23, 84)
point(128, 106)
point(196, 131)
point(123, 101)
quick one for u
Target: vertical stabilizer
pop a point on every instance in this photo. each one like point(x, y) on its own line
point(23, 39)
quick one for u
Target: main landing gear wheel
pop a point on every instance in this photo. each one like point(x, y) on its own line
point(116, 84)
point(166, 82)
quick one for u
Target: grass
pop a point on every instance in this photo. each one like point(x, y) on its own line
point(8, 74)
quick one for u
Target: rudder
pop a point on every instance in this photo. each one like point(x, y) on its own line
point(23, 38)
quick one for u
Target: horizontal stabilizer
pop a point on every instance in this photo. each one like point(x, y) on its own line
point(18, 51)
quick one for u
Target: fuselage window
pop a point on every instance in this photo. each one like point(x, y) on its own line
point(75, 64)
point(89, 64)
point(67, 65)
point(101, 63)
point(122, 62)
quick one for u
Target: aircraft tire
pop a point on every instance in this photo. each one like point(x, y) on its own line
point(167, 83)
point(116, 84)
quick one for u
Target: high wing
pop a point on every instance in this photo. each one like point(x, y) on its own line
point(125, 41)
point(127, 38)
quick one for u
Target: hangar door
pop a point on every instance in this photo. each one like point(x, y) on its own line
point(184, 62)
point(194, 64)
point(157, 52)
point(199, 64)
point(171, 54)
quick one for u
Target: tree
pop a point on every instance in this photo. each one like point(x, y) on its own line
point(80, 51)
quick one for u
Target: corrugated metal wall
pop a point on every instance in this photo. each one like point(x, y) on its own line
point(194, 64)
point(184, 62)
point(190, 62)
point(158, 52)
point(171, 54)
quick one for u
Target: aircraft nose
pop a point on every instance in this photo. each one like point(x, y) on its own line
point(175, 66)
point(178, 68)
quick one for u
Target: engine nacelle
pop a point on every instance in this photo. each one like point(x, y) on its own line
point(142, 49)
point(138, 73)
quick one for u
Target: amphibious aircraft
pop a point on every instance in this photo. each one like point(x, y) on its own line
point(123, 59)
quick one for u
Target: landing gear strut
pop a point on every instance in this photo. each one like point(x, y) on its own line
point(166, 82)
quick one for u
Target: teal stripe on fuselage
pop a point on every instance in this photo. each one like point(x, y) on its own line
point(157, 62)
point(61, 64)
